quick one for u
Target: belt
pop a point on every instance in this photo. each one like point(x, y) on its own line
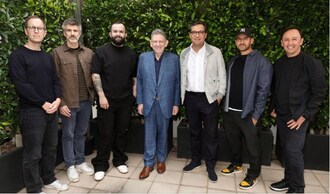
point(195, 93)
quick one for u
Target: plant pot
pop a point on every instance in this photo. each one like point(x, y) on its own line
point(184, 149)
point(316, 152)
point(11, 168)
point(135, 136)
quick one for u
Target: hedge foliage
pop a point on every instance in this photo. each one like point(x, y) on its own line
point(12, 14)
point(266, 18)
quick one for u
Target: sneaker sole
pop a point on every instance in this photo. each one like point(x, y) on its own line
point(86, 173)
point(277, 189)
point(235, 172)
point(247, 188)
point(192, 169)
point(51, 187)
point(73, 180)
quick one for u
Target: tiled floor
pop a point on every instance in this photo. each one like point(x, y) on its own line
point(174, 180)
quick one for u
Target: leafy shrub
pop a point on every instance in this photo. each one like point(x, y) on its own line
point(12, 14)
point(266, 19)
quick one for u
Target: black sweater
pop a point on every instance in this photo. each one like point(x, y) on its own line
point(34, 76)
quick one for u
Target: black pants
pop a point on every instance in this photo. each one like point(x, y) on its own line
point(292, 142)
point(40, 134)
point(236, 129)
point(202, 118)
point(113, 125)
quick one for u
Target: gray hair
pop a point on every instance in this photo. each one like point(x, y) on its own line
point(158, 31)
point(72, 22)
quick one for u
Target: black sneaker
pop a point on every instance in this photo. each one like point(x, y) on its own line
point(295, 190)
point(248, 183)
point(191, 166)
point(232, 169)
point(213, 177)
point(282, 185)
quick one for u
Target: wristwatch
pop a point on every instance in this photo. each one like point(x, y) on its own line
point(305, 115)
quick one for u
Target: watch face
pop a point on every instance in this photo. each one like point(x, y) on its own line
point(305, 116)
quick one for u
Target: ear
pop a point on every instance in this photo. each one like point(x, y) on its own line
point(166, 43)
point(252, 40)
point(110, 34)
point(301, 41)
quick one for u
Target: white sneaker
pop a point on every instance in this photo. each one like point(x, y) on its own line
point(99, 175)
point(57, 185)
point(72, 173)
point(122, 169)
point(85, 168)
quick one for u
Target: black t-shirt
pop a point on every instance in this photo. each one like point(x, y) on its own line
point(116, 67)
point(236, 83)
point(283, 78)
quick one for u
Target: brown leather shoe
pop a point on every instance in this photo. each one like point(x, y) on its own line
point(161, 168)
point(145, 172)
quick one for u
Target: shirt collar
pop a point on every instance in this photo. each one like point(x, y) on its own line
point(66, 48)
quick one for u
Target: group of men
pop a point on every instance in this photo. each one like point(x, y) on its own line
point(66, 81)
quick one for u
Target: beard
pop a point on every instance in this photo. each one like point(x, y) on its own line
point(118, 41)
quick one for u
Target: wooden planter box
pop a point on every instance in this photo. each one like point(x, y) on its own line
point(316, 152)
point(184, 151)
point(11, 171)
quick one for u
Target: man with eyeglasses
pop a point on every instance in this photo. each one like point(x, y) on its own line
point(249, 77)
point(203, 84)
point(33, 73)
point(73, 62)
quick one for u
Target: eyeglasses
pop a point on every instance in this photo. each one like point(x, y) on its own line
point(197, 32)
point(34, 28)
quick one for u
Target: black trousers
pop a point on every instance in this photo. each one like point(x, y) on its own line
point(292, 142)
point(113, 126)
point(236, 129)
point(202, 118)
point(40, 134)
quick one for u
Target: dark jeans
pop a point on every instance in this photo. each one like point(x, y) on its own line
point(202, 118)
point(39, 132)
point(113, 125)
point(292, 142)
point(236, 129)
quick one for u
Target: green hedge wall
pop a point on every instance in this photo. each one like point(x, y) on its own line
point(223, 17)
point(266, 18)
point(12, 14)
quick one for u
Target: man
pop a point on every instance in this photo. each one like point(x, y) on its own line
point(73, 62)
point(203, 84)
point(113, 73)
point(248, 84)
point(33, 73)
point(298, 89)
point(158, 98)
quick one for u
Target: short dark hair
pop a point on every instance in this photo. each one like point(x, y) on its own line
point(33, 17)
point(284, 30)
point(72, 22)
point(198, 22)
point(117, 22)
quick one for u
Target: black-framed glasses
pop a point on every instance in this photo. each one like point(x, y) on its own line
point(34, 28)
point(197, 32)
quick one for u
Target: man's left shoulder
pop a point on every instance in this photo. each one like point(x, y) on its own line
point(172, 55)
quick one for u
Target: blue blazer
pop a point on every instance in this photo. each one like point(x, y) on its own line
point(167, 88)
